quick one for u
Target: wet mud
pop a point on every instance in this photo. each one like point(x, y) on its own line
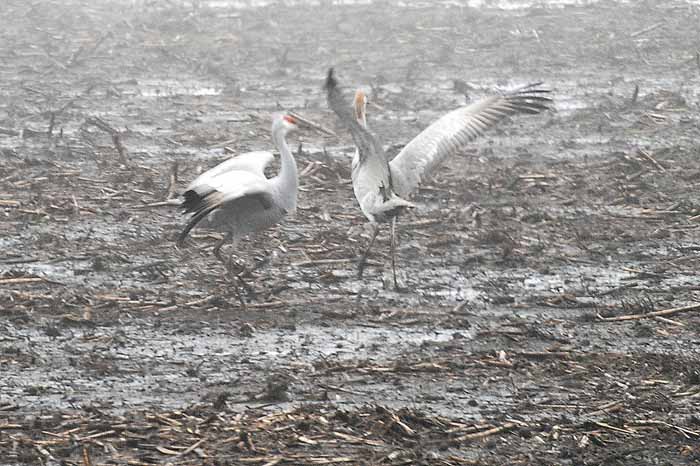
point(549, 310)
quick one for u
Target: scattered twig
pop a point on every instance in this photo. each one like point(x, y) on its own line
point(635, 94)
point(648, 315)
point(485, 433)
point(28, 133)
point(607, 408)
point(116, 136)
point(312, 263)
point(172, 181)
point(189, 450)
point(545, 354)
point(648, 156)
point(613, 428)
point(9, 132)
point(460, 307)
point(669, 321)
point(310, 123)
point(20, 280)
point(686, 432)
point(168, 202)
point(86, 457)
point(618, 288)
point(196, 302)
point(341, 389)
point(647, 29)
point(76, 59)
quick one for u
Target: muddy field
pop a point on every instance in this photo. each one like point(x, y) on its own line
point(550, 305)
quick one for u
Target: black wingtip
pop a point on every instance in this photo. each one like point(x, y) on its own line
point(535, 87)
point(331, 82)
point(192, 199)
point(203, 210)
point(531, 98)
point(180, 241)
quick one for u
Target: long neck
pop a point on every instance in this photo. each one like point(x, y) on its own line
point(287, 180)
point(361, 115)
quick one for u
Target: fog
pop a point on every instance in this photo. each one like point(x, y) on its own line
point(547, 273)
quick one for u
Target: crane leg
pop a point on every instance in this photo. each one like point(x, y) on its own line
point(393, 251)
point(236, 272)
point(363, 258)
point(217, 247)
point(233, 267)
point(240, 283)
point(243, 272)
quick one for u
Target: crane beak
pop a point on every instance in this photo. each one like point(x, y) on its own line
point(377, 106)
point(306, 123)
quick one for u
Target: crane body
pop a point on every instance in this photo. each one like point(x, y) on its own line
point(236, 197)
point(371, 176)
point(382, 186)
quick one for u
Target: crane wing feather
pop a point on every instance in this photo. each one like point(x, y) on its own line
point(371, 176)
point(253, 162)
point(452, 132)
point(367, 145)
point(216, 192)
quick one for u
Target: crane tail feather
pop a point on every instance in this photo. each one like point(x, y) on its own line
point(331, 83)
point(201, 206)
point(192, 223)
point(192, 201)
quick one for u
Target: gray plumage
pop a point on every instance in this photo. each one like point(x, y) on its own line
point(371, 177)
point(452, 132)
point(237, 197)
point(380, 186)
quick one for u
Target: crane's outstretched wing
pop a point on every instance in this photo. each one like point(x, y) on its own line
point(254, 162)
point(452, 132)
point(216, 192)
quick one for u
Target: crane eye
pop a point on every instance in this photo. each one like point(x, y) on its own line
point(290, 119)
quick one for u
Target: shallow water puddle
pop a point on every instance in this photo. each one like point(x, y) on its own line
point(176, 87)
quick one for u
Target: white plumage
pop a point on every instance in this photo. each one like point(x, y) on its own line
point(254, 162)
point(237, 197)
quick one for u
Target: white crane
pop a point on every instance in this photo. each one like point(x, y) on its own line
point(380, 186)
point(236, 196)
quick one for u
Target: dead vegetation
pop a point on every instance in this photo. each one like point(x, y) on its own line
point(551, 316)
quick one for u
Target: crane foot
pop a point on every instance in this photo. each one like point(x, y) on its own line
point(362, 262)
point(217, 247)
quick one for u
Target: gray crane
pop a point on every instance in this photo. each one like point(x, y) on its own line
point(381, 186)
point(371, 176)
point(236, 196)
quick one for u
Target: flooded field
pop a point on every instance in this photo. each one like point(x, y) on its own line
point(549, 310)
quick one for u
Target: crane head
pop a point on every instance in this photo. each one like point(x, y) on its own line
point(292, 121)
point(360, 107)
point(283, 123)
point(289, 121)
